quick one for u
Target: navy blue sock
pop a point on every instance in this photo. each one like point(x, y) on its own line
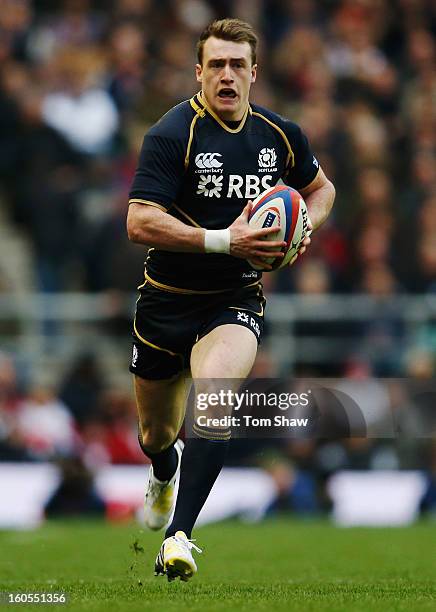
point(164, 463)
point(202, 461)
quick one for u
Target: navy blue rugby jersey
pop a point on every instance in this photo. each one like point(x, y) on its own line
point(202, 171)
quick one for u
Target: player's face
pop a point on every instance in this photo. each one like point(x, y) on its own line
point(226, 77)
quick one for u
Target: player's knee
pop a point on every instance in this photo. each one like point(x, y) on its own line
point(157, 439)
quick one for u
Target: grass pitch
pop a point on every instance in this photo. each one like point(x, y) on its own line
point(276, 565)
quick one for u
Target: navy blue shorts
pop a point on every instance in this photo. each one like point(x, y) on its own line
point(167, 325)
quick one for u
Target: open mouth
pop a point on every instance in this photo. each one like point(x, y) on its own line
point(227, 93)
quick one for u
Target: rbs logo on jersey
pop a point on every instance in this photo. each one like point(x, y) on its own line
point(213, 183)
point(248, 186)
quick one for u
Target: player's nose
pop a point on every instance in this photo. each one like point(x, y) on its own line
point(226, 74)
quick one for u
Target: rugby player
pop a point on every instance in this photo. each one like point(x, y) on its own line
point(199, 168)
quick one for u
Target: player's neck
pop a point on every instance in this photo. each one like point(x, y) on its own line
point(225, 117)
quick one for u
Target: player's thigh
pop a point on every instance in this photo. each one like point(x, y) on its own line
point(219, 362)
point(228, 351)
point(161, 408)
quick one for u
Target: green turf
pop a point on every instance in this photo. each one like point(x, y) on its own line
point(275, 565)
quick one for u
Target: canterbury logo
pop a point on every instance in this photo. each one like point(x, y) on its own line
point(208, 160)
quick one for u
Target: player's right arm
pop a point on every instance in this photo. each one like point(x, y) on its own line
point(158, 181)
point(149, 225)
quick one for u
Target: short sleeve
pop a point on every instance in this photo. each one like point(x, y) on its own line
point(306, 165)
point(160, 171)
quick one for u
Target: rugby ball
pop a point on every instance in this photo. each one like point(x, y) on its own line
point(283, 207)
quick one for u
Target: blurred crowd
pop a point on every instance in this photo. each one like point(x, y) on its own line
point(80, 83)
point(84, 417)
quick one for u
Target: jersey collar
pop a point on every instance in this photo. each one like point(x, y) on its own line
point(200, 100)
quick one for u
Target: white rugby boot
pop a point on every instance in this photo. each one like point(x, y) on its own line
point(160, 496)
point(175, 559)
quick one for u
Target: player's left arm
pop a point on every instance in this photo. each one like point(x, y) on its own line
point(319, 196)
point(307, 176)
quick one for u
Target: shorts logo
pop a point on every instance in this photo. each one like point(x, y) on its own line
point(315, 162)
point(134, 356)
point(208, 160)
point(267, 160)
point(255, 325)
point(210, 185)
point(243, 316)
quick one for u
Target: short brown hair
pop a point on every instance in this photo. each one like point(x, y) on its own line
point(235, 30)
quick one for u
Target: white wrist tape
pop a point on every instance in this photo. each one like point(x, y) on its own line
point(217, 241)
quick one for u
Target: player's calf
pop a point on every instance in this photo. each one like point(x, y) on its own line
point(160, 495)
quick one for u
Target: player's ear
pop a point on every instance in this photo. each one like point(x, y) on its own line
point(198, 72)
point(253, 73)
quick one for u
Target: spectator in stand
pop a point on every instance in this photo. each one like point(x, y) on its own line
point(47, 176)
point(45, 425)
point(383, 335)
point(312, 280)
point(12, 445)
point(129, 65)
point(118, 412)
point(426, 274)
point(79, 108)
point(15, 27)
point(81, 388)
point(138, 11)
point(360, 66)
point(92, 443)
point(76, 24)
point(76, 495)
